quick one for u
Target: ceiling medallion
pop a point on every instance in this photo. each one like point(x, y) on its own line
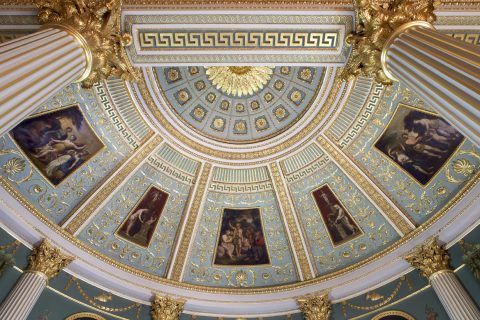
point(239, 81)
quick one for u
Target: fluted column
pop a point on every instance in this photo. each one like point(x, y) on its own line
point(443, 71)
point(44, 263)
point(33, 69)
point(80, 41)
point(166, 308)
point(432, 261)
point(316, 307)
point(396, 41)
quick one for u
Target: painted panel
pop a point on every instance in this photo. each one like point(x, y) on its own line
point(369, 231)
point(340, 225)
point(420, 167)
point(201, 268)
point(37, 179)
point(147, 244)
point(141, 222)
point(241, 239)
point(57, 142)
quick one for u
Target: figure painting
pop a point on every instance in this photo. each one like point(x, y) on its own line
point(57, 142)
point(419, 142)
point(340, 225)
point(141, 222)
point(241, 240)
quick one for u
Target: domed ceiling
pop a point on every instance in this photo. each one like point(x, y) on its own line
point(239, 104)
point(237, 188)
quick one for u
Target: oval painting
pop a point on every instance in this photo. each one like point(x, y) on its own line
point(393, 315)
point(85, 316)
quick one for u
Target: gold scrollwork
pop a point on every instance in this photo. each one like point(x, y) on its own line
point(99, 306)
point(75, 224)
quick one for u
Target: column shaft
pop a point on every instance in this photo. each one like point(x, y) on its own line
point(33, 68)
point(453, 296)
point(24, 295)
point(443, 71)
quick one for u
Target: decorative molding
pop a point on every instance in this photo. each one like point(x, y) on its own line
point(399, 222)
point(429, 258)
point(179, 262)
point(170, 170)
point(47, 260)
point(294, 231)
point(361, 120)
point(74, 225)
point(166, 39)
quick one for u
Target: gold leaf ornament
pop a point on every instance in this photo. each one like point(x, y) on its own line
point(239, 81)
point(376, 21)
point(166, 308)
point(13, 166)
point(316, 307)
point(96, 25)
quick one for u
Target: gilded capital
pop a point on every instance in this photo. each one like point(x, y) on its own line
point(96, 25)
point(429, 258)
point(47, 259)
point(376, 21)
point(165, 308)
point(315, 307)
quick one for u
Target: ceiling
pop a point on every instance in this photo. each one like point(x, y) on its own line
point(244, 170)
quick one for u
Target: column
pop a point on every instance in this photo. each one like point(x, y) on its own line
point(443, 71)
point(316, 307)
point(396, 42)
point(165, 308)
point(44, 263)
point(432, 261)
point(34, 67)
point(79, 42)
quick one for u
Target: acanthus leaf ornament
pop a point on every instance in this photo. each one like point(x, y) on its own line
point(317, 307)
point(96, 25)
point(376, 21)
point(47, 260)
point(429, 258)
point(166, 308)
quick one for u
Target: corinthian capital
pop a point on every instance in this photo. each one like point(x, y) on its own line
point(96, 25)
point(429, 258)
point(315, 307)
point(165, 308)
point(376, 21)
point(47, 260)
